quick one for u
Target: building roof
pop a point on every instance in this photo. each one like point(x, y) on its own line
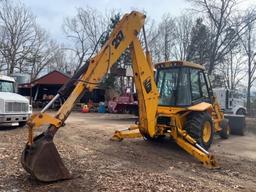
point(6, 78)
point(53, 78)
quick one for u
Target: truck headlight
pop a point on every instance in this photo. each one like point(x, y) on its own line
point(2, 106)
point(30, 109)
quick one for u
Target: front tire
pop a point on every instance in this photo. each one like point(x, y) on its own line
point(200, 127)
point(225, 129)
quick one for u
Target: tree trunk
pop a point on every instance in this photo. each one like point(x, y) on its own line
point(11, 71)
point(248, 104)
point(250, 75)
point(211, 65)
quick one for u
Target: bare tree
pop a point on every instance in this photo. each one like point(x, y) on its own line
point(152, 34)
point(63, 60)
point(248, 41)
point(165, 38)
point(17, 34)
point(42, 54)
point(233, 69)
point(182, 34)
point(170, 39)
point(84, 30)
point(224, 31)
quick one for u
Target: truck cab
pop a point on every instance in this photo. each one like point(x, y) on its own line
point(231, 101)
point(14, 108)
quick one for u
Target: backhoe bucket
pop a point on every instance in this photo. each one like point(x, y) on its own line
point(43, 161)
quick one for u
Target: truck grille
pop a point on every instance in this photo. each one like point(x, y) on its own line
point(16, 107)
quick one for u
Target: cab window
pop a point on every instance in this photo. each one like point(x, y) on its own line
point(195, 88)
point(167, 85)
point(184, 91)
point(203, 85)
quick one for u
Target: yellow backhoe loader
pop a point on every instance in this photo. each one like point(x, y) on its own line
point(177, 103)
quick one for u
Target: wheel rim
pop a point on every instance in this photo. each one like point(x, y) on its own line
point(207, 131)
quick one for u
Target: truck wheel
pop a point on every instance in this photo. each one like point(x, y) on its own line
point(225, 129)
point(199, 127)
point(241, 112)
point(22, 123)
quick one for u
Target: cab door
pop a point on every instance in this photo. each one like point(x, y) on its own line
point(199, 86)
point(205, 87)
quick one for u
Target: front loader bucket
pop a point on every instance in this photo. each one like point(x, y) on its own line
point(43, 161)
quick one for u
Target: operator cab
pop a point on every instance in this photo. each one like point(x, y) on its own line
point(182, 84)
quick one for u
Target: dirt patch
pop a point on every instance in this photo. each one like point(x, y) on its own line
point(98, 164)
point(251, 125)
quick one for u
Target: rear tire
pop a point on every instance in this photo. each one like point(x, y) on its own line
point(199, 126)
point(225, 129)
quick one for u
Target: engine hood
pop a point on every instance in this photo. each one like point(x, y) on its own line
point(13, 97)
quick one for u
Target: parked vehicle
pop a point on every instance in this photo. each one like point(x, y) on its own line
point(232, 102)
point(14, 108)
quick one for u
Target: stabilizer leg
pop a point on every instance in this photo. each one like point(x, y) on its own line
point(202, 155)
point(132, 132)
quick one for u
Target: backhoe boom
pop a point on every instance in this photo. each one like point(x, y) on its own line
point(90, 75)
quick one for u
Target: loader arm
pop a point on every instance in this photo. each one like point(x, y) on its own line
point(40, 157)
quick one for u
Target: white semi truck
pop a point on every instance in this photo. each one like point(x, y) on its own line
point(232, 102)
point(14, 108)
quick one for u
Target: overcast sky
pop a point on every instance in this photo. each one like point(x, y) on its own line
point(50, 13)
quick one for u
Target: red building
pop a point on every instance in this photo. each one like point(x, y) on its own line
point(43, 89)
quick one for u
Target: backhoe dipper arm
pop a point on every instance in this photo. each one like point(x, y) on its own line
point(90, 75)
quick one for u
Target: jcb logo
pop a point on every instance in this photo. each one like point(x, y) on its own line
point(119, 37)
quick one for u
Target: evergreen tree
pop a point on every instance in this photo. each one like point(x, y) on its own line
point(112, 80)
point(198, 50)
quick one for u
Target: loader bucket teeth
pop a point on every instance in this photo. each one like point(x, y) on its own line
point(43, 161)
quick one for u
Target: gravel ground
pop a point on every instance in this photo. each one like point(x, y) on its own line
point(98, 164)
